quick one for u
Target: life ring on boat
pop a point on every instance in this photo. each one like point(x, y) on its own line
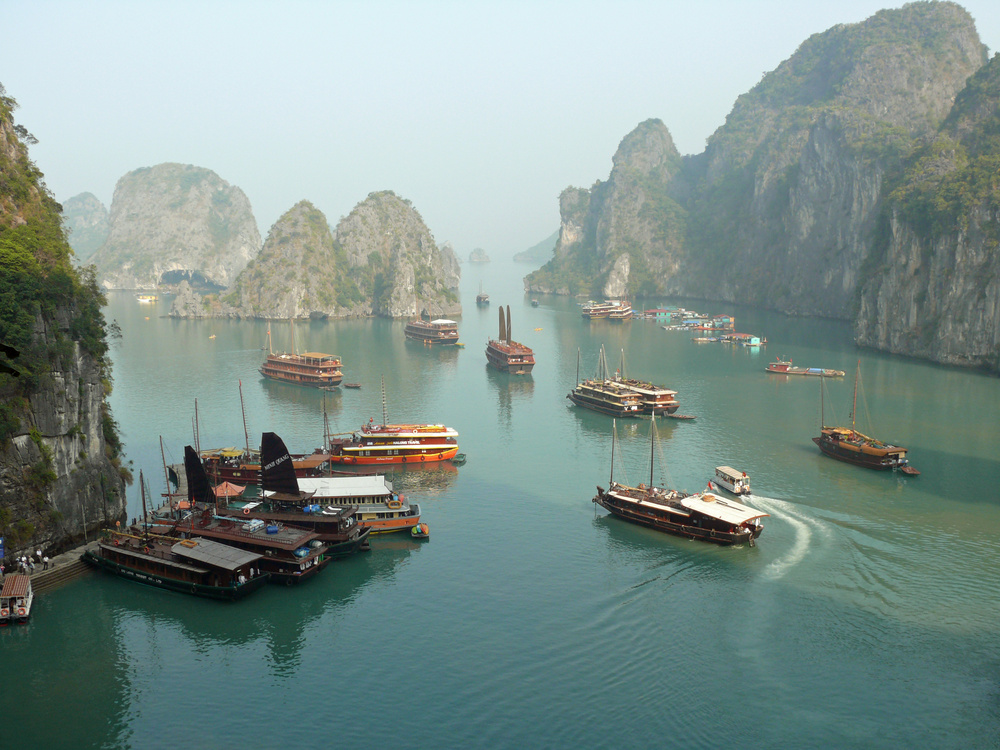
point(394, 504)
point(3, 614)
point(116, 542)
point(246, 511)
point(423, 458)
point(21, 611)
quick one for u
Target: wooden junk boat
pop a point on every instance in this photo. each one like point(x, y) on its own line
point(309, 368)
point(283, 501)
point(201, 567)
point(290, 554)
point(16, 597)
point(367, 499)
point(507, 355)
point(847, 444)
point(439, 332)
point(243, 465)
point(705, 515)
point(785, 368)
point(394, 443)
point(620, 396)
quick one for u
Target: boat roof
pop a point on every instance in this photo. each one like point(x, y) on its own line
point(318, 355)
point(213, 553)
point(16, 585)
point(363, 485)
point(443, 322)
point(726, 510)
point(729, 470)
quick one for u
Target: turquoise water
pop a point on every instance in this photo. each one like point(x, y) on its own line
point(865, 617)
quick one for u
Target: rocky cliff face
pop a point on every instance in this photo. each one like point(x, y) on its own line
point(175, 222)
point(60, 458)
point(382, 260)
point(86, 222)
point(932, 283)
point(411, 274)
point(788, 205)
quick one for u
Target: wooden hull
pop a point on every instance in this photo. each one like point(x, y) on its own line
point(499, 360)
point(149, 578)
point(606, 407)
point(647, 519)
point(879, 462)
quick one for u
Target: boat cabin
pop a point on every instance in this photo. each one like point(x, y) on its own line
point(735, 481)
point(16, 597)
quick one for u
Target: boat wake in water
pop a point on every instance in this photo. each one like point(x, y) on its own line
point(802, 524)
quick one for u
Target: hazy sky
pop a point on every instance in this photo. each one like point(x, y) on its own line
point(480, 113)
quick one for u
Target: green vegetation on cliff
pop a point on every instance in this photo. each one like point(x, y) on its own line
point(38, 282)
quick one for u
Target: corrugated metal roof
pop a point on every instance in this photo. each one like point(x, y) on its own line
point(729, 511)
point(213, 553)
point(15, 585)
point(359, 486)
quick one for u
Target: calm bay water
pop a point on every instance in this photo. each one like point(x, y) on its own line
point(865, 617)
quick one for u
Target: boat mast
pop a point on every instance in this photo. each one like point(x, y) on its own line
point(142, 494)
point(508, 324)
point(614, 438)
point(243, 408)
point(854, 408)
point(385, 419)
point(197, 437)
point(652, 441)
point(270, 351)
point(578, 365)
point(166, 476)
point(291, 322)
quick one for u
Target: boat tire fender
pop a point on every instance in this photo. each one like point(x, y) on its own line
point(423, 458)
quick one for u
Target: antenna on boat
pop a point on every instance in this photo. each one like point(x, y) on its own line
point(243, 408)
point(166, 476)
point(508, 324)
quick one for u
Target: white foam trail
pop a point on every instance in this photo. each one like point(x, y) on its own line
point(803, 534)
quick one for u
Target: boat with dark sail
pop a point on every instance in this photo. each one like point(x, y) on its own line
point(309, 368)
point(393, 443)
point(369, 499)
point(439, 332)
point(243, 465)
point(507, 355)
point(290, 554)
point(853, 447)
point(283, 501)
point(705, 516)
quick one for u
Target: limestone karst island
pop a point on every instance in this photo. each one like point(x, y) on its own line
point(622, 447)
